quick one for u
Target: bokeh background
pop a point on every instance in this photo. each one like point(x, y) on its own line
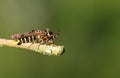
point(89, 30)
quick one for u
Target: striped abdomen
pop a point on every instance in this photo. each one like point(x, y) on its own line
point(30, 39)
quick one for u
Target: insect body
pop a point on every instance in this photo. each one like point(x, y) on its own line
point(36, 36)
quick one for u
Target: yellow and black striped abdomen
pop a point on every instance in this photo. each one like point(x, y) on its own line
point(30, 39)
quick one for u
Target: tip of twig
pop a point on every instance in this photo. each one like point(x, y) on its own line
point(55, 50)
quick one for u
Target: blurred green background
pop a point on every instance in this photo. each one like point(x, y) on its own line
point(89, 30)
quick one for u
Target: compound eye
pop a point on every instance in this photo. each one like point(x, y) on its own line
point(33, 30)
point(50, 32)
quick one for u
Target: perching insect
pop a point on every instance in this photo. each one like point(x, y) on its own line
point(36, 36)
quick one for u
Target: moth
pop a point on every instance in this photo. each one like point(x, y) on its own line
point(45, 36)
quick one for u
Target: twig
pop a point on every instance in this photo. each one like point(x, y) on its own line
point(44, 49)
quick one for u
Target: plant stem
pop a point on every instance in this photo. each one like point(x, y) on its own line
point(36, 47)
